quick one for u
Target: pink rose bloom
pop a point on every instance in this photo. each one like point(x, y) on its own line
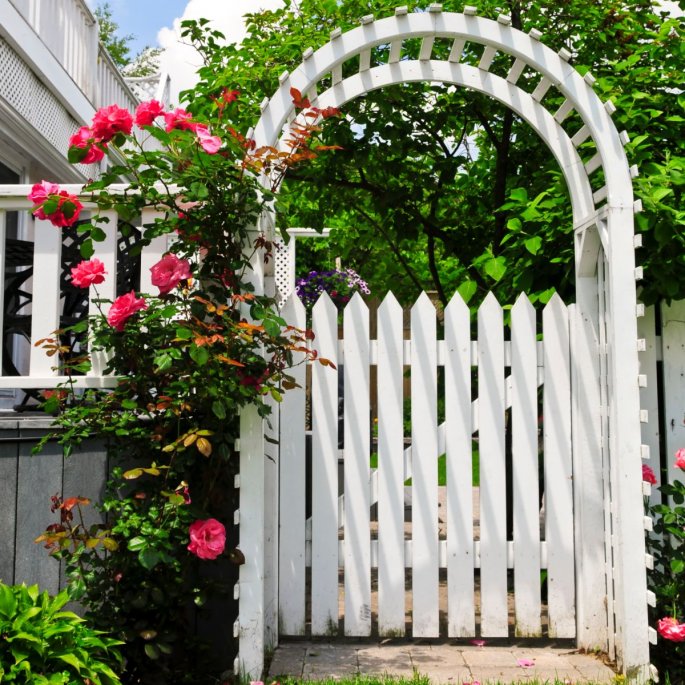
point(679, 457)
point(123, 308)
point(670, 629)
point(209, 143)
point(88, 273)
point(180, 119)
point(147, 112)
point(84, 139)
point(169, 272)
point(67, 212)
point(648, 474)
point(41, 191)
point(108, 121)
point(207, 538)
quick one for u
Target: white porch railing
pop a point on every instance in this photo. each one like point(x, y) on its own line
point(70, 31)
point(46, 307)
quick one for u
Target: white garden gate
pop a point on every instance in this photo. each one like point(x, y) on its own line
point(609, 554)
point(440, 532)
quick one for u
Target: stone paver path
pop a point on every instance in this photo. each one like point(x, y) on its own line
point(444, 664)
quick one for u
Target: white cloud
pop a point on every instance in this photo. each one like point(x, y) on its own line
point(180, 60)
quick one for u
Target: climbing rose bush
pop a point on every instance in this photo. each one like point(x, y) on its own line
point(667, 579)
point(185, 361)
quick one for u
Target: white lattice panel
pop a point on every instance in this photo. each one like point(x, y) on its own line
point(282, 271)
point(34, 102)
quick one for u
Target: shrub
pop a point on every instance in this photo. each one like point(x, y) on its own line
point(42, 644)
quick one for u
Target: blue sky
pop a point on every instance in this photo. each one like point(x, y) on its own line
point(156, 23)
point(144, 18)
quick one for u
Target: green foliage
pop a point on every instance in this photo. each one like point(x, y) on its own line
point(145, 63)
point(117, 46)
point(42, 644)
point(437, 186)
point(667, 579)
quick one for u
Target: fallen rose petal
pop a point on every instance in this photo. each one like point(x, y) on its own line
point(525, 663)
point(478, 643)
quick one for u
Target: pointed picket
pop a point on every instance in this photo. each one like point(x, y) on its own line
point(460, 561)
point(324, 602)
point(524, 417)
point(493, 514)
point(424, 441)
point(293, 495)
point(558, 471)
point(390, 470)
point(357, 469)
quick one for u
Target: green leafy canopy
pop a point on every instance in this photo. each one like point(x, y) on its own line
point(437, 186)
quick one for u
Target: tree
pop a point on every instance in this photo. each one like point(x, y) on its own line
point(145, 63)
point(439, 187)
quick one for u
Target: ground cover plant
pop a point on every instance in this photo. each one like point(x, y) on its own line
point(42, 644)
point(188, 358)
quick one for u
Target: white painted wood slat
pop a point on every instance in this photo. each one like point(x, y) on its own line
point(493, 544)
point(524, 417)
point(391, 594)
point(460, 557)
point(357, 451)
point(456, 50)
point(426, 48)
point(558, 471)
point(293, 496)
point(250, 515)
point(424, 421)
point(673, 352)
point(324, 601)
point(45, 309)
point(649, 399)
point(106, 252)
point(151, 253)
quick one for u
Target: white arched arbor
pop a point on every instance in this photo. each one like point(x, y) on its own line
point(611, 604)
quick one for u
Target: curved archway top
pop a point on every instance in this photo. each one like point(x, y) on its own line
point(496, 37)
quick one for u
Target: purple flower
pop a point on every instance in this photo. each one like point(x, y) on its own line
point(340, 286)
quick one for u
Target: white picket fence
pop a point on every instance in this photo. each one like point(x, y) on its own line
point(662, 365)
point(341, 537)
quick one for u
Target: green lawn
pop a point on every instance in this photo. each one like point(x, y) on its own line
point(442, 468)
